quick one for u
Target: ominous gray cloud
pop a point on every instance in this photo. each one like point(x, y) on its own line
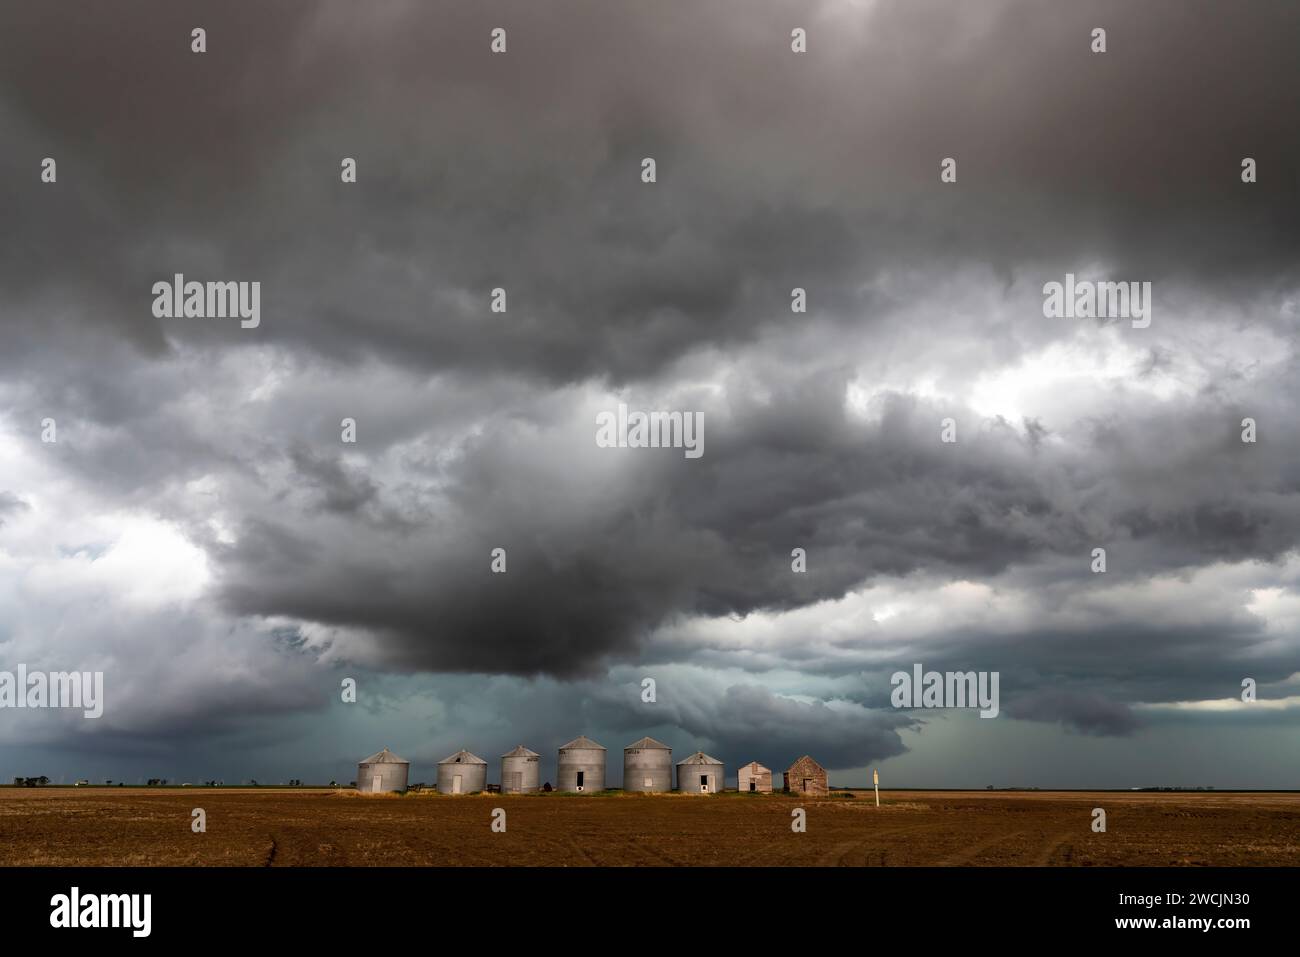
point(751, 720)
point(218, 449)
point(1088, 714)
point(9, 502)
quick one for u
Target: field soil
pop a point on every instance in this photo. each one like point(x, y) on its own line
point(283, 828)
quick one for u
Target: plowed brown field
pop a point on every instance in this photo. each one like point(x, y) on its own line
point(132, 826)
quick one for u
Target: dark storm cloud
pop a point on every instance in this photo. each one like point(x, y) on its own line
point(606, 559)
point(340, 489)
point(521, 170)
point(774, 171)
point(743, 722)
point(750, 720)
point(1084, 713)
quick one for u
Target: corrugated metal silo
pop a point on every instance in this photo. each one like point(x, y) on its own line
point(383, 771)
point(521, 771)
point(700, 774)
point(581, 766)
point(647, 766)
point(462, 773)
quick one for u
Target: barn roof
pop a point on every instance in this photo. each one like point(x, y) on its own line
point(699, 757)
point(809, 760)
point(755, 766)
point(521, 752)
point(384, 757)
point(648, 744)
point(583, 742)
point(462, 757)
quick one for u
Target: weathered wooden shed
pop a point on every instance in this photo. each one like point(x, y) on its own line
point(806, 776)
point(754, 777)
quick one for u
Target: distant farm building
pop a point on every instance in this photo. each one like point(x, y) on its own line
point(382, 772)
point(754, 777)
point(581, 766)
point(647, 766)
point(521, 771)
point(700, 774)
point(462, 773)
point(806, 776)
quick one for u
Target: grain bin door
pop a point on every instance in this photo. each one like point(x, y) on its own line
point(455, 784)
point(377, 783)
point(516, 780)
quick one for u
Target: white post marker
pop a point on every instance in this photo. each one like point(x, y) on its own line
point(875, 776)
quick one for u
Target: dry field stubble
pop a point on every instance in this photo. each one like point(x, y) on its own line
point(134, 826)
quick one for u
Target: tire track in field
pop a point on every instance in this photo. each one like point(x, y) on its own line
point(869, 844)
point(563, 846)
point(968, 854)
point(836, 855)
point(655, 853)
point(755, 852)
point(1044, 859)
point(839, 855)
point(582, 851)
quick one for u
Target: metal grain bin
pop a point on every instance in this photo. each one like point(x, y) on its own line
point(581, 766)
point(647, 766)
point(521, 771)
point(462, 773)
point(382, 772)
point(700, 774)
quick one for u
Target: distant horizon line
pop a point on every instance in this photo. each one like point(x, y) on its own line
point(833, 787)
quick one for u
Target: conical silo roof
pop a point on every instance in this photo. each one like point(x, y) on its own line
point(462, 757)
point(384, 757)
point(584, 743)
point(521, 752)
point(647, 744)
point(699, 757)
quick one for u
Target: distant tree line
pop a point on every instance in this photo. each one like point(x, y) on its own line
point(42, 780)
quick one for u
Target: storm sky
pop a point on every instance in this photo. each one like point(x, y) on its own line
point(200, 533)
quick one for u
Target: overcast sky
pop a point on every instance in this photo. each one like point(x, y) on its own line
point(200, 533)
